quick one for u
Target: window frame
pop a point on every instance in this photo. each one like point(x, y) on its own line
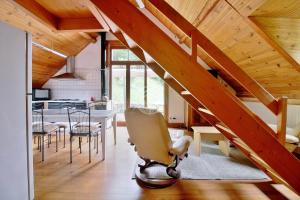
point(115, 44)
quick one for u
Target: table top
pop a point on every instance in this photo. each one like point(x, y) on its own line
point(205, 129)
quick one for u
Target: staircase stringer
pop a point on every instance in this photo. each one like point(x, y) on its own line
point(205, 88)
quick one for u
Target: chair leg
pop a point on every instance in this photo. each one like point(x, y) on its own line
point(56, 141)
point(89, 148)
point(43, 150)
point(40, 142)
point(80, 144)
point(70, 148)
point(38, 147)
point(34, 142)
point(59, 134)
point(94, 143)
point(49, 140)
point(97, 143)
point(64, 137)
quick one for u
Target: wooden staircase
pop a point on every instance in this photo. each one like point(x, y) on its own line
point(199, 88)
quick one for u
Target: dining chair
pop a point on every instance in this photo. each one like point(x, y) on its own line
point(81, 126)
point(40, 128)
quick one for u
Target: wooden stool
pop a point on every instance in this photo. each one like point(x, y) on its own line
point(210, 133)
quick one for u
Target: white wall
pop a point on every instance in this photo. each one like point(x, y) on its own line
point(13, 147)
point(293, 115)
point(87, 66)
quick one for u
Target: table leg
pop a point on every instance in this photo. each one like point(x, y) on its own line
point(197, 143)
point(115, 128)
point(103, 133)
point(224, 146)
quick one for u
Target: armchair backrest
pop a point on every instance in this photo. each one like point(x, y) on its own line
point(148, 131)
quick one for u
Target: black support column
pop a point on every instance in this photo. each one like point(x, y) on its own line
point(104, 86)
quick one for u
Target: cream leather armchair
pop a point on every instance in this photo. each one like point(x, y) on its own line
point(148, 132)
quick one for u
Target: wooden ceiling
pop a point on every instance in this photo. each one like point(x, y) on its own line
point(44, 31)
point(261, 36)
point(280, 21)
point(253, 34)
point(66, 8)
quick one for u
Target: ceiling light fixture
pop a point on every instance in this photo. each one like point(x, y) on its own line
point(49, 50)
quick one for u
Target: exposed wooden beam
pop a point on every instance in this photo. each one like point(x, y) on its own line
point(79, 24)
point(216, 54)
point(97, 13)
point(38, 12)
point(204, 87)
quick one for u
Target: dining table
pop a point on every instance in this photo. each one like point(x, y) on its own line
point(101, 116)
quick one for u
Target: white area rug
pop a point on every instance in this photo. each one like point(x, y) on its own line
point(213, 165)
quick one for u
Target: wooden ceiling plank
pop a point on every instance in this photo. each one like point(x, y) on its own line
point(88, 36)
point(215, 53)
point(80, 24)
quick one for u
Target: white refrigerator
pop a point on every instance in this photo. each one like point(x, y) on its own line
point(16, 165)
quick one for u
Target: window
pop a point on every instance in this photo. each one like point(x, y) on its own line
point(133, 84)
point(123, 55)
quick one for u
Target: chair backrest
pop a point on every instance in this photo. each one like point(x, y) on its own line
point(38, 121)
point(148, 131)
point(79, 120)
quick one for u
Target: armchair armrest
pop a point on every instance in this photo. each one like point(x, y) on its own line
point(181, 146)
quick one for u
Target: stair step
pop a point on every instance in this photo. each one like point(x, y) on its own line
point(203, 110)
point(228, 133)
point(148, 58)
point(185, 92)
point(167, 76)
point(208, 116)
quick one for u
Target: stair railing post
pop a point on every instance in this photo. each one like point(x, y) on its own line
point(194, 46)
point(282, 119)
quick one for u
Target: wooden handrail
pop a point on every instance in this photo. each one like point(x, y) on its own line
point(216, 54)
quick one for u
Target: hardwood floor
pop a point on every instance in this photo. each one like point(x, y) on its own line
point(56, 179)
